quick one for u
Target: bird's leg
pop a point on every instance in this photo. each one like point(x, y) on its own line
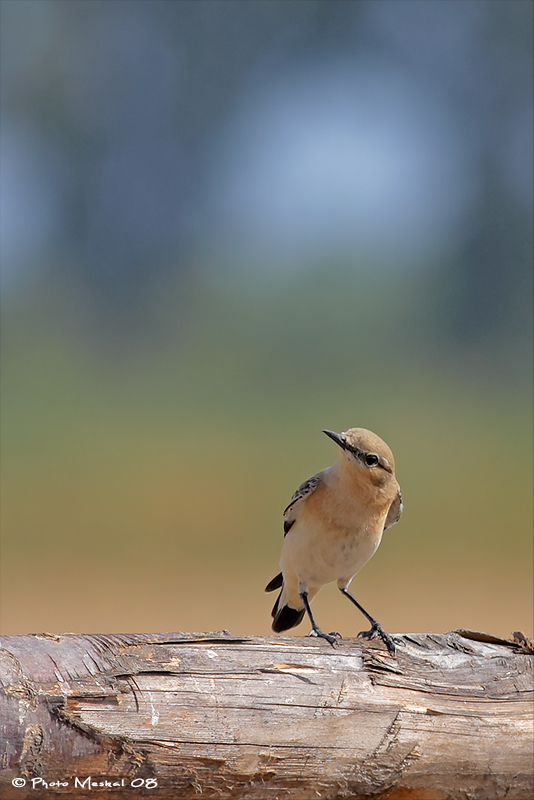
point(376, 628)
point(330, 637)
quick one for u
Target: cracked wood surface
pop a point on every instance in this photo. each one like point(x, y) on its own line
point(220, 716)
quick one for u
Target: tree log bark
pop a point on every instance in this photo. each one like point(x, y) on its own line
point(218, 716)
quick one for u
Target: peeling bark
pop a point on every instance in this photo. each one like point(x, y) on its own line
point(261, 718)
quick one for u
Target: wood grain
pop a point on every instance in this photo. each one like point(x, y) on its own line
point(219, 716)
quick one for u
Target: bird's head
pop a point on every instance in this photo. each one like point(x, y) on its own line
point(367, 453)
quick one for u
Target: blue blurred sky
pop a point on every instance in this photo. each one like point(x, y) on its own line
point(346, 159)
point(263, 135)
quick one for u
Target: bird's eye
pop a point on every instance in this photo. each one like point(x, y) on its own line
point(371, 459)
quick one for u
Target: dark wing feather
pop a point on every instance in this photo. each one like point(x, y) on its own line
point(304, 490)
point(395, 510)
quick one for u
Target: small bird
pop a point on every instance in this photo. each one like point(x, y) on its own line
point(333, 524)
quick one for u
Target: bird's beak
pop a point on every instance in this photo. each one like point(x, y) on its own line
point(339, 438)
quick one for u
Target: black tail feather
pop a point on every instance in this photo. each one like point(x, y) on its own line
point(276, 583)
point(274, 611)
point(286, 617)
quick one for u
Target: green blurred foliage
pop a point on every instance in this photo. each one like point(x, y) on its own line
point(145, 492)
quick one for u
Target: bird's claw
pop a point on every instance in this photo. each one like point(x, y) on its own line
point(377, 630)
point(331, 637)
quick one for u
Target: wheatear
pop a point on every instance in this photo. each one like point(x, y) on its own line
point(333, 525)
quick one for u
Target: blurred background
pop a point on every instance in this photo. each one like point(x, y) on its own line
point(226, 226)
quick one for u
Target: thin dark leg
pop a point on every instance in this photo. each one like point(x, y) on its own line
point(376, 628)
point(330, 637)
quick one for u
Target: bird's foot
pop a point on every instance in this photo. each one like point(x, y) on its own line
point(331, 637)
point(377, 630)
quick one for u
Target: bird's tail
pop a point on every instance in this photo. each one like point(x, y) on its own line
point(284, 617)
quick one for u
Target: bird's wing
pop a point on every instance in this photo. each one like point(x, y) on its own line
point(395, 510)
point(292, 508)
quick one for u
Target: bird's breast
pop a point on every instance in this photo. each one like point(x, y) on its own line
point(346, 514)
point(331, 543)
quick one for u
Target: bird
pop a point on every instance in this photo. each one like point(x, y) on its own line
point(333, 525)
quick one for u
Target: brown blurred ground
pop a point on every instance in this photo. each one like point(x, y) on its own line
point(137, 501)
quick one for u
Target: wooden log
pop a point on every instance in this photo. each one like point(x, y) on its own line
point(218, 716)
